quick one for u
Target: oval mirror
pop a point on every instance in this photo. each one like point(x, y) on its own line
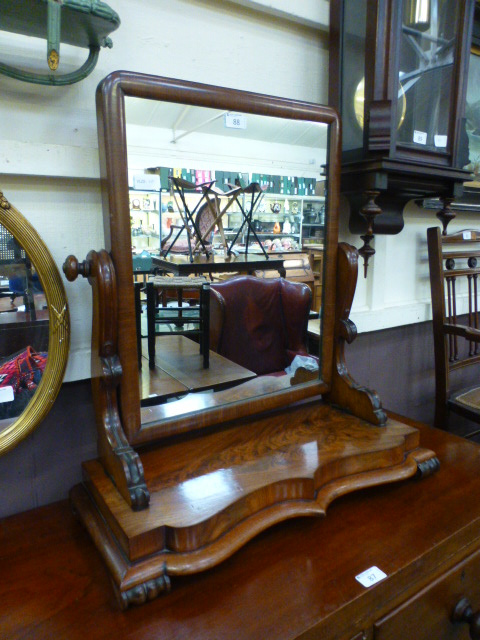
point(34, 328)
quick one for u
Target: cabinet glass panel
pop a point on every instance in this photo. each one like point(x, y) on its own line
point(353, 73)
point(426, 64)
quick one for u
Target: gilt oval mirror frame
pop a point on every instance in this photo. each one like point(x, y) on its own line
point(58, 328)
point(112, 130)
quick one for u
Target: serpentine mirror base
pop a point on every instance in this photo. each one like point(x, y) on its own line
point(208, 498)
point(205, 497)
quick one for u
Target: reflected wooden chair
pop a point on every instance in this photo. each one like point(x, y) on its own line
point(212, 211)
point(255, 192)
point(158, 317)
point(454, 262)
point(188, 214)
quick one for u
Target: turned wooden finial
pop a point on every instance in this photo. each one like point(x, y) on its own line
point(369, 211)
point(72, 268)
point(446, 215)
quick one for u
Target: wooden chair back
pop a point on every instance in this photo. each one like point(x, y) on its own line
point(260, 324)
point(454, 262)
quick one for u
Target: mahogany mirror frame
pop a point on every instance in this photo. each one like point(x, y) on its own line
point(111, 122)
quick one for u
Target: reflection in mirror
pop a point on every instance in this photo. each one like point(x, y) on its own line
point(215, 195)
point(23, 329)
point(34, 328)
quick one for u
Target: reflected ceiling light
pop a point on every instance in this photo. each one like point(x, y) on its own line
point(416, 14)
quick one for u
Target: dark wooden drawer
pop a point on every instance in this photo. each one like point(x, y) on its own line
point(427, 616)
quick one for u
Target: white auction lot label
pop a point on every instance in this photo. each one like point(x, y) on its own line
point(370, 577)
point(6, 394)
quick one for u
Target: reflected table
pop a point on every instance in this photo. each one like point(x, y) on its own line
point(180, 186)
point(181, 265)
point(18, 331)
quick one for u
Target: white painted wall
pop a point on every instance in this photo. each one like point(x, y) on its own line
point(48, 140)
point(48, 143)
point(397, 289)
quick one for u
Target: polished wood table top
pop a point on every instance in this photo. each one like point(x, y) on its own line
point(157, 382)
point(181, 265)
point(296, 580)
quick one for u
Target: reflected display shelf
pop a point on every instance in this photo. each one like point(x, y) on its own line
point(145, 219)
point(277, 235)
point(291, 206)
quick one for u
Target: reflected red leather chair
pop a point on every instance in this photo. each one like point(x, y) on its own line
point(260, 324)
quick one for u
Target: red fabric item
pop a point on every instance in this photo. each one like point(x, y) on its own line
point(23, 370)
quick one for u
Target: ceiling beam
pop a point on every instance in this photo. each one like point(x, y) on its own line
point(311, 13)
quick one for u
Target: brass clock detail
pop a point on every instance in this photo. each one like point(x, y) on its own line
point(359, 104)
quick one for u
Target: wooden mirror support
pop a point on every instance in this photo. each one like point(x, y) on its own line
point(185, 494)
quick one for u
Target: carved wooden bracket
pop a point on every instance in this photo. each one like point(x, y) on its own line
point(121, 462)
point(345, 392)
point(143, 592)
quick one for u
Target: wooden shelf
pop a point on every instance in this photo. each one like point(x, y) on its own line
point(276, 235)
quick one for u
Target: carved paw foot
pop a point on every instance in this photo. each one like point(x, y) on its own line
point(144, 592)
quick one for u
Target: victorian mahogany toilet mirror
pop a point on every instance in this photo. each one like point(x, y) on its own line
point(180, 491)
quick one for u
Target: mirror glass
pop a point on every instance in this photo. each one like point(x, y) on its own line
point(24, 329)
point(264, 194)
point(34, 328)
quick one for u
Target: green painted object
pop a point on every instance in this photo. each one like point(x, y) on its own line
point(81, 23)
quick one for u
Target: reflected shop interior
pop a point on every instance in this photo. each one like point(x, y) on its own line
point(24, 323)
point(246, 193)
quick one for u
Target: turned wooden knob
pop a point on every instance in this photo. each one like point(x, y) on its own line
point(72, 268)
point(463, 612)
